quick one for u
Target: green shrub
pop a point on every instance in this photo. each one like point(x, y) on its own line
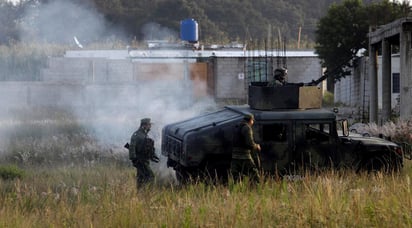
point(328, 99)
point(10, 172)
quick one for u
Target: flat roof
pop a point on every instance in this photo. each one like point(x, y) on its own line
point(389, 30)
point(182, 53)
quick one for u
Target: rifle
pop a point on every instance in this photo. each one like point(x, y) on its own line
point(256, 159)
point(150, 150)
point(149, 147)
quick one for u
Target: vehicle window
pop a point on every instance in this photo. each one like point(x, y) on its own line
point(275, 132)
point(317, 131)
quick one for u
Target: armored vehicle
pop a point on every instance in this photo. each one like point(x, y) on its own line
point(295, 133)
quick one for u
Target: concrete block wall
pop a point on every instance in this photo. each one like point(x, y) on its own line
point(230, 78)
point(230, 75)
point(79, 80)
point(119, 71)
point(88, 70)
point(24, 94)
point(344, 91)
point(66, 69)
point(354, 90)
point(303, 69)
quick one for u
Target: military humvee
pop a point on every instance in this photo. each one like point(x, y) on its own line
point(295, 134)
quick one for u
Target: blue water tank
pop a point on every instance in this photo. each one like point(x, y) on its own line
point(189, 30)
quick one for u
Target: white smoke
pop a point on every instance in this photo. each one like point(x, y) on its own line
point(154, 31)
point(59, 21)
point(117, 114)
point(112, 112)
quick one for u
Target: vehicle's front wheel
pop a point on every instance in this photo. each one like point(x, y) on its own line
point(376, 164)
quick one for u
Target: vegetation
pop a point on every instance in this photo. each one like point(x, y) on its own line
point(327, 99)
point(398, 130)
point(53, 137)
point(9, 172)
point(61, 176)
point(342, 33)
point(219, 21)
point(105, 196)
point(76, 185)
point(337, 29)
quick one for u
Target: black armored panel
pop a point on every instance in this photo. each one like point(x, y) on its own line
point(284, 97)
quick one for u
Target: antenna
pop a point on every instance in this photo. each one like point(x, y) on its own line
point(284, 60)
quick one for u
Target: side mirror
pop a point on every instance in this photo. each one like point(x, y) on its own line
point(345, 128)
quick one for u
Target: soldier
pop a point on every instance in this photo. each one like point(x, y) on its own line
point(279, 77)
point(141, 150)
point(243, 146)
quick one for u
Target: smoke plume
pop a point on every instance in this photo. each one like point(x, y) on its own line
point(59, 21)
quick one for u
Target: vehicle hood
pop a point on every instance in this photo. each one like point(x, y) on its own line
point(366, 140)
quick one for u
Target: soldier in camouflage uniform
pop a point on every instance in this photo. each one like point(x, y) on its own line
point(243, 146)
point(141, 151)
point(279, 77)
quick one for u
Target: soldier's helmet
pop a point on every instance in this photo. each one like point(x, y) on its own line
point(280, 73)
point(248, 117)
point(145, 121)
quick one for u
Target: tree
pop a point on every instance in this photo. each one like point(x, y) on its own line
point(340, 35)
point(9, 16)
point(343, 32)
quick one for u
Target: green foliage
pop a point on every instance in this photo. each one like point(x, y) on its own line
point(9, 172)
point(328, 99)
point(9, 14)
point(342, 32)
point(219, 20)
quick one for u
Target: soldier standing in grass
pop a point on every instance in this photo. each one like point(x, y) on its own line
point(141, 151)
point(243, 146)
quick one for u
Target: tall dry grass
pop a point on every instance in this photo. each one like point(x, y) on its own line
point(73, 181)
point(399, 130)
point(105, 196)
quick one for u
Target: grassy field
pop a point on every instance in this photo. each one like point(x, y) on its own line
point(106, 196)
point(53, 173)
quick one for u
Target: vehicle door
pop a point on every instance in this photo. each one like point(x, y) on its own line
point(274, 138)
point(315, 144)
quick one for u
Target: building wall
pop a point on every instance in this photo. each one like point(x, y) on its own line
point(230, 78)
point(223, 78)
point(231, 81)
point(303, 69)
point(353, 89)
point(348, 90)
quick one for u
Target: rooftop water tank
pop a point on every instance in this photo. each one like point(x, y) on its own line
point(189, 30)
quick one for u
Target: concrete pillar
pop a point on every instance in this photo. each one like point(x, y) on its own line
point(405, 75)
point(386, 81)
point(373, 78)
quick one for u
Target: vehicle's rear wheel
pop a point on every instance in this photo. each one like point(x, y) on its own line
point(216, 175)
point(186, 176)
point(181, 176)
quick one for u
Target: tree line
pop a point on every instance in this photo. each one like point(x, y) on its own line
point(337, 30)
point(219, 20)
point(342, 34)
